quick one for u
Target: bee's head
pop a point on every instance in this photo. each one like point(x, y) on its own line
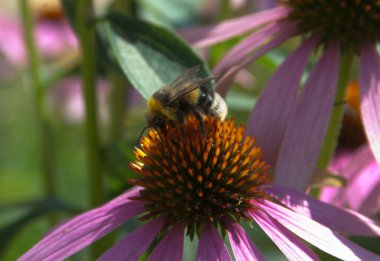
point(157, 121)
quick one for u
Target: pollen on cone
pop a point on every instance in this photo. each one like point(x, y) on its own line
point(193, 176)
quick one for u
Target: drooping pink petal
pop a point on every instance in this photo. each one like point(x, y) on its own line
point(289, 29)
point(370, 95)
point(211, 245)
point(135, 244)
point(171, 247)
point(359, 188)
point(242, 246)
point(208, 35)
point(339, 219)
point(340, 160)
point(349, 164)
point(292, 247)
point(267, 120)
point(308, 123)
point(225, 82)
point(86, 228)
point(357, 159)
point(371, 205)
point(318, 235)
point(246, 46)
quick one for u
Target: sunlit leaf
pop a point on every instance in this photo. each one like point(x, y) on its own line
point(150, 56)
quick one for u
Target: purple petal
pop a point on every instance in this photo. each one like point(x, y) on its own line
point(134, 245)
point(341, 159)
point(371, 205)
point(348, 164)
point(359, 188)
point(357, 160)
point(317, 234)
point(370, 95)
point(211, 245)
point(292, 247)
point(208, 35)
point(171, 247)
point(242, 245)
point(362, 173)
point(246, 46)
point(268, 122)
point(289, 30)
point(308, 123)
point(340, 219)
point(86, 228)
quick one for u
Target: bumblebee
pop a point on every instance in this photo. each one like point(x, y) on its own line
point(184, 97)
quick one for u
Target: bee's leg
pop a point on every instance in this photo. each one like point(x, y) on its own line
point(181, 120)
point(200, 117)
point(161, 130)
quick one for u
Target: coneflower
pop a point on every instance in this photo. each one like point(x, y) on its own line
point(342, 26)
point(202, 184)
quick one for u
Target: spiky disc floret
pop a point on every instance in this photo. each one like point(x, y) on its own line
point(191, 177)
point(351, 22)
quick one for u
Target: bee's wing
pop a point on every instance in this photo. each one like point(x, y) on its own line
point(188, 85)
point(186, 75)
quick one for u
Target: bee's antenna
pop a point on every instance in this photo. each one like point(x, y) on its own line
point(142, 132)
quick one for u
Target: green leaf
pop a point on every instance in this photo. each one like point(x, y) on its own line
point(150, 56)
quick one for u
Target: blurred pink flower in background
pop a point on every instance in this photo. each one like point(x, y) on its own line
point(66, 98)
point(11, 40)
point(54, 37)
point(56, 42)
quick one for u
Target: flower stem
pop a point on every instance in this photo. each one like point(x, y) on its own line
point(117, 102)
point(45, 139)
point(331, 138)
point(86, 34)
